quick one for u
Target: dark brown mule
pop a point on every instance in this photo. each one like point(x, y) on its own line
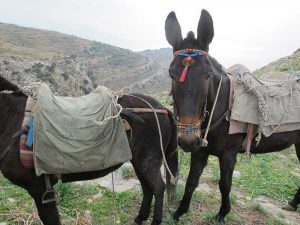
point(145, 147)
point(194, 94)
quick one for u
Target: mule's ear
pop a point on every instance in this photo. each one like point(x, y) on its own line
point(205, 31)
point(173, 30)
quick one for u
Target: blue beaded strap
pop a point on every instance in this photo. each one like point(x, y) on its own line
point(190, 53)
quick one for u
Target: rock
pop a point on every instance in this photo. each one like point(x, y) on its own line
point(248, 198)
point(120, 184)
point(203, 187)
point(97, 196)
point(3, 223)
point(288, 217)
point(11, 200)
point(87, 213)
point(236, 173)
point(89, 200)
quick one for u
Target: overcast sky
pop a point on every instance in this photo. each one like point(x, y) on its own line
point(251, 32)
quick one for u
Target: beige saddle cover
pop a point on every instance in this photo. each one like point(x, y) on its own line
point(272, 102)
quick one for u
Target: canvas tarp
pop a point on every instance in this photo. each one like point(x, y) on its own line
point(78, 134)
point(272, 100)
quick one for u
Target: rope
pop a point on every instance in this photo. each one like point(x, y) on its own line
point(6, 92)
point(114, 101)
point(116, 218)
point(173, 178)
point(204, 141)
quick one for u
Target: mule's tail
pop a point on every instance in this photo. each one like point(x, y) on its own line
point(172, 158)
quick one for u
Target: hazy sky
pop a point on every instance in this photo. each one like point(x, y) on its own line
point(251, 32)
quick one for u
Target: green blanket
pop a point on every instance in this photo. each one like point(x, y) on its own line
point(78, 134)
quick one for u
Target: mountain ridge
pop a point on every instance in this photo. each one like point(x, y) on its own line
point(62, 60)
point(73, 66)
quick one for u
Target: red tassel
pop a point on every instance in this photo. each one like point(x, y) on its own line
point(183, 75)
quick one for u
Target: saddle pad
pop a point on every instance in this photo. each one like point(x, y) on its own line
point(279, 93)
point(26, 153)
point(78, 134)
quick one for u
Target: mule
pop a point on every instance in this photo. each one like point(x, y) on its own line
point(144, 143)
point(194, 90)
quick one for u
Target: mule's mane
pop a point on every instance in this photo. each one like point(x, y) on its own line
point(217, 65)
point(190, 39)
point(7, 85)
point(190, 35)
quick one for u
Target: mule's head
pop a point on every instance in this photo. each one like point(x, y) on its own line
point(190, 71)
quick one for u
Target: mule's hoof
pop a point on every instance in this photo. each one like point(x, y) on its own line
point(138, 221)
point(175, 216)
point(156, 222)
point(288, 207)
point(219, 219)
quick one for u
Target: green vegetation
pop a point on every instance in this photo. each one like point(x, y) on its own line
point(284, 64)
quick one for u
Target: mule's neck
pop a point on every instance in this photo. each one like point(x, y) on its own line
point(222, 103)
point(7, 85)
point(11, 116)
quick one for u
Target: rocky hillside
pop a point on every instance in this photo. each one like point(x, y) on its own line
point(74, 66)
point(285, 64)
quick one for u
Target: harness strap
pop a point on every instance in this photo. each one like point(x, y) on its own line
point(15, 138)
point(6, 92)
point(204, 142)
point(173, 178)
point(217, 123)
point(147, 110)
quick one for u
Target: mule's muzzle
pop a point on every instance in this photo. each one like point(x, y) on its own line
point(189, 138)
point(189, 143)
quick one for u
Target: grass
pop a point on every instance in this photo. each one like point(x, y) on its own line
point(260, 209)
point(127, 172)
point(265, 175)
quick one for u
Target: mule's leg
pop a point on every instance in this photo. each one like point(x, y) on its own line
point(151, 174)
point(198, 162)
point(48, 212)
point(293, 204)
point(158, 188)
point(147, 199)
point(227, 160)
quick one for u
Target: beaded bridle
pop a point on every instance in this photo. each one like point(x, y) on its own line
point(187, 61)
point(192, 128)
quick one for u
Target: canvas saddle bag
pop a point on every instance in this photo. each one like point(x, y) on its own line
point(78, 134)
